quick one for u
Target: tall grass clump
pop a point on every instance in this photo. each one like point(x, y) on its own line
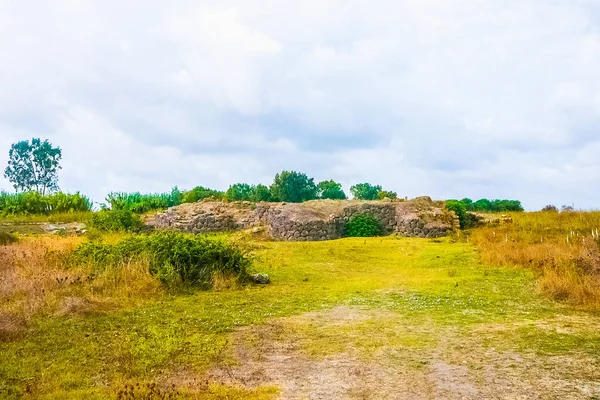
point(173, 257)
point(115, 221)
point(562, 247)
point(34, 203)
point(141, 203)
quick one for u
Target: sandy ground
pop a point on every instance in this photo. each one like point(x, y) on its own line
point(453, 367)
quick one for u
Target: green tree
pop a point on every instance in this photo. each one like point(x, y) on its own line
point(33, 166)
point(239, 192)
point(200, 193)
point(260, 193)
point(387, 193)
point(365, 191)
point(331, 190)
point(294, 187)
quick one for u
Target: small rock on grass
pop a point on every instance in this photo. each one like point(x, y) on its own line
point(262, 279)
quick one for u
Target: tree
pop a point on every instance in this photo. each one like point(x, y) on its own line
point(239, 192)
point(331, 190)
point(260, 193)
point(387, 193)
point(294, 187)
point(33, 166)
point(550, 208)
point(365, 191)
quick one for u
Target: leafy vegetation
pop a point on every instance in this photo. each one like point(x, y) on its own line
point(26, 203)
point(246, 192)
point(200, 193)
point(485, 205)
point(363, 225)
point(387, 193)
point(141, 203)
point(365, 191)
point(115, 221)
point(293, 187)
point(33, 166)
point(173, 257)
point(331, 190)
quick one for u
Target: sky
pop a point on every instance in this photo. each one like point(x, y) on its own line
point(445, 98)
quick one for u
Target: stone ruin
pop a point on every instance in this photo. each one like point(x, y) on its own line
point(310, 221)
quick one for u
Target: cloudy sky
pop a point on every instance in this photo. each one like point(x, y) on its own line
point(447, 98)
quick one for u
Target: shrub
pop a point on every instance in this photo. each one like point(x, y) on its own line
point(365, 191)
point(172, 257)
point(293, 187)
point(200, 193)
point(387, 193)
point(34, 203)
point(141, 203)
point(363, 225)
point(115, 221)
point(550, 208)
point(7, 238)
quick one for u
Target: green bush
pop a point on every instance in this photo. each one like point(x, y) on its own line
point(200, 193)
point(115, 221)
point(173, 257)
point(34, 203)
point(141, 203)
point(7, 238)
point(363, 225)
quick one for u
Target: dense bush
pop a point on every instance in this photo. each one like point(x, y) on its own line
point(293, 187)
point(115, 221)
point(200, 193)
point(26, 203)
point(466, 219)
point(246, 192)
point(172, 257)
point(387, 193)
point(363, 225)
point(485, 205)
point(365, 191)
point(141, 203)
point(550, 208)
point(331, 190)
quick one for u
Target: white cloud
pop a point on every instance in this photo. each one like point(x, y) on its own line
point(449, 98)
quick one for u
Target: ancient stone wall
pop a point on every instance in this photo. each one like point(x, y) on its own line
point(310, 221)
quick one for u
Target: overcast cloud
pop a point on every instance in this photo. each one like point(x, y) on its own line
point(447, 98)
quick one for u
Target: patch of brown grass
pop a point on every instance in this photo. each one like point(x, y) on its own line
point(35, 279)
point(562, 247)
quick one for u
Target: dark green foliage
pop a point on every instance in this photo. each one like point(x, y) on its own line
point(115, 221)
point(27, 203)
point(365, 191)
point(387, 193)
point(7, 238)
point(293, 187)
point(173, 257)
point(363, 225)
point(33, 166)
point(200, 193)
point(550, 208)
point(260, 193)
point(141, 203)
point(331, 190)
point(239, 192)
point(485, 205)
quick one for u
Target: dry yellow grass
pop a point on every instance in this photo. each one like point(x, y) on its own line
point(562, 247)
point(34, 279)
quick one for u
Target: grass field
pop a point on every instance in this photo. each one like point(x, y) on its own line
point(352, 318)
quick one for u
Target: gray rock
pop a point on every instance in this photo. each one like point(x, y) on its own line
point(261, 279)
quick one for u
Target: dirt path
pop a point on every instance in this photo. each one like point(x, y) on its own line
point(353, 353)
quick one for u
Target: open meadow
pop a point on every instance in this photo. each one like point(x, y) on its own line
point(494, 312)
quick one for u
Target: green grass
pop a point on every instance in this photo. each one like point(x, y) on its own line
point(65, 218)
point(433, 286)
